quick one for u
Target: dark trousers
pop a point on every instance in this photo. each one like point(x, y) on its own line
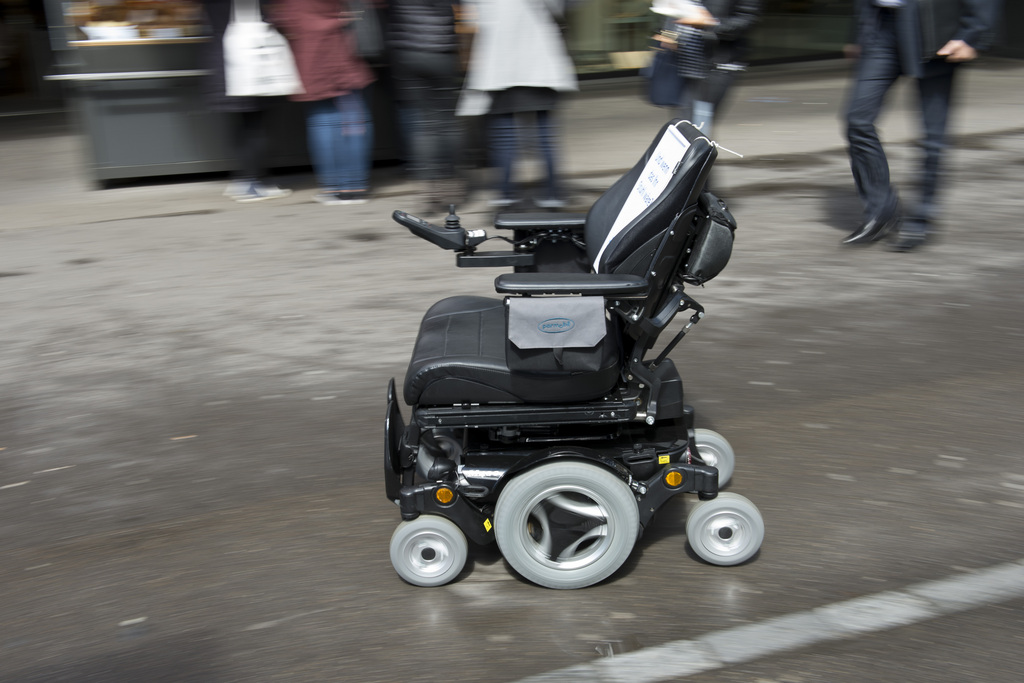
point(428, 83)
point(710, 90)
point(505, 146)
point(878, 68)
point(251, 144)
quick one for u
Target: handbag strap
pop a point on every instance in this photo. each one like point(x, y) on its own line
point(246, 10)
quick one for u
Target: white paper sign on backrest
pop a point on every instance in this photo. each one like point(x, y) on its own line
point(652, 182)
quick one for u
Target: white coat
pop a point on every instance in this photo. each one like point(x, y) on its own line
point(517, 43)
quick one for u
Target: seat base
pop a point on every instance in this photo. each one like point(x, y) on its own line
point(460, 358)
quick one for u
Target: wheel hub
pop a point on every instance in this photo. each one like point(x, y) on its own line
point(725, 533)
point(428, 554)
point(565, 528)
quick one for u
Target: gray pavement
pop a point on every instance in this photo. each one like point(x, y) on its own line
point(191, 394)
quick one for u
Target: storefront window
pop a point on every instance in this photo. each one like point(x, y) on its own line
point(606, 35)
point(118, 20)
point(610, 35)
point(791, 30)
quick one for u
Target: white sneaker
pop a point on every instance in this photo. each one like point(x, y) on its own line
point(327, 198)
point(258, 192)
point(237, 188)
point(348, 198)
point(342, 198)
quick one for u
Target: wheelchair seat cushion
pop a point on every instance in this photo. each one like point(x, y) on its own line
point(460, 357)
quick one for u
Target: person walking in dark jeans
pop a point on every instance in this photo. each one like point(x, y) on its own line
point(425, 63)
point(926, 40)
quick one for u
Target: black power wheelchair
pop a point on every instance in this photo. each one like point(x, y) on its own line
point(538, 420)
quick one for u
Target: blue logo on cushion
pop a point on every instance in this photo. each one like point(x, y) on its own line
point(556, 325)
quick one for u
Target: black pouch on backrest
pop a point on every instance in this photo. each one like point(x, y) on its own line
point(555, 334)
point(712, 245)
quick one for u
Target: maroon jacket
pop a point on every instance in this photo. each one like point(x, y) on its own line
point(324, 48)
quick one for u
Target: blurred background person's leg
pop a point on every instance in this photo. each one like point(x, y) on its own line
point(356, 148)
point(323, 130)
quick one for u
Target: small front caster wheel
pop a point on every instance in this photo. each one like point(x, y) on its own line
point(429, 550)
point(725, 531)
point(715, 451)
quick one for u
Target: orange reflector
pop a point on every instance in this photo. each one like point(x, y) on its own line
point(444, 496)
point(674, 479)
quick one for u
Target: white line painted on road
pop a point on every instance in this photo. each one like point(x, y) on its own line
point(848, 619)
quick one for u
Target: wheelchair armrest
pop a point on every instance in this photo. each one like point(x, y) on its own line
point(587, 284)
point(540, 221)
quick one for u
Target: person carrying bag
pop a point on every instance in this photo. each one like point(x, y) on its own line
point(707, 42)
point(245, 118)
point(339, 123)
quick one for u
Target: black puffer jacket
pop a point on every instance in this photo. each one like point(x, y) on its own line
point(423, 25)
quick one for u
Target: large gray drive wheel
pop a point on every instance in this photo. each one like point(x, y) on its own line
point(725, 531)
point(566, 524)
point(429, 550)
point(715, 451)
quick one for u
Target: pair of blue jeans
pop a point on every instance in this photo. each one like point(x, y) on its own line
point(340, 137)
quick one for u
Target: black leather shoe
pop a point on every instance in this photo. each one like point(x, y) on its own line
point(874, 230)
point(907, 242)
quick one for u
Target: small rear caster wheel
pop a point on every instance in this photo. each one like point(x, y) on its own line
point(429, 550)
point(725, 531)
point(566, 524)
point(715, 451)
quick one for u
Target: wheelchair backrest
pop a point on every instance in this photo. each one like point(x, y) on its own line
point(627, 225)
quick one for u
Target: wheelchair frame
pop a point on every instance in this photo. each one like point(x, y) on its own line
point(454, 462)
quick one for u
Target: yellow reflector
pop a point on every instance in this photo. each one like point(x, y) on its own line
point(674, 479)
point(444, 496)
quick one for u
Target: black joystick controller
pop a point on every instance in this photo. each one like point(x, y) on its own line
point(452, 221)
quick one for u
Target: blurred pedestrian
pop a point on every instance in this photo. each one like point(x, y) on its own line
point(710, 39)
point(518, 68)
point(926, 40)
point(247, 116)
point(339, 127)
point(428, 74)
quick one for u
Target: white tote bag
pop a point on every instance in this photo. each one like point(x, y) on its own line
point(257, 59)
